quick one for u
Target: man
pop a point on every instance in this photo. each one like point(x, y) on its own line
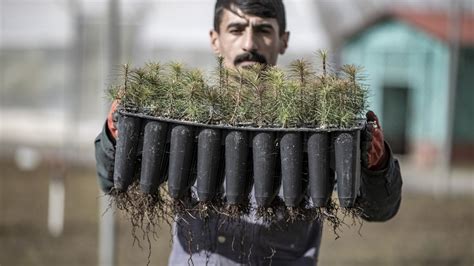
point(248, 32)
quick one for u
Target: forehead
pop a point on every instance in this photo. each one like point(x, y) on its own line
point(237, 16)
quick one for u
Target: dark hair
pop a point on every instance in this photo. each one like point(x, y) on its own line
point(261, 8)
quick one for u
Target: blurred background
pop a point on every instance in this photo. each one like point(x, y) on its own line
point(57, 58)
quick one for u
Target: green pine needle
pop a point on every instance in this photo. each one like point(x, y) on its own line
point(256, 96)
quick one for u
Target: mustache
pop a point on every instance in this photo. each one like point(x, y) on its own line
point(250, 56)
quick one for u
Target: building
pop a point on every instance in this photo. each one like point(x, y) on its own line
point(407, 57)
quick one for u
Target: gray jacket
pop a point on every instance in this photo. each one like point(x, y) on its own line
point(251, 242)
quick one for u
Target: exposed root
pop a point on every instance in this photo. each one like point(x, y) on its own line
point(302, 212)
point(179, 208)
point(231, 216)
point(328, 214)
point(121, 199)
point(145, 212)
point(180, 211)
point(270, 258)
point(272, 213)
point(354, 213)
point(294, 214)
point(204, 209)
point(236, 211)
point(183, 225)
point(232, 212)
point(267, 214)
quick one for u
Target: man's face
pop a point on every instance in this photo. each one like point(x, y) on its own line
point(244, 40)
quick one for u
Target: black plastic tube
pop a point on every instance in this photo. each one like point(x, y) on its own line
point(208, 157)
point(264, 161)
point(129, 129)
point(347, 164)
point(321, 182)
point(236, 166)
point(153, 170)
point(181, 160)
point(291, 156)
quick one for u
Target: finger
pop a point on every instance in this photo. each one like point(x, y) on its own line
point(372, 117)
point(112, 129)
point(115, 117)
point(377, 135)
point(112, 118)
point(114, 105)
point(377, 149)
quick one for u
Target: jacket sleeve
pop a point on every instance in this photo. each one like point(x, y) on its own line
point(380, 191)
point(105, 156)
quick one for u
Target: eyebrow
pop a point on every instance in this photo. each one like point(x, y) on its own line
point(237, 24)
point(263, 25)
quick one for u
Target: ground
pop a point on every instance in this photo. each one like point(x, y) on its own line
point(428, 230)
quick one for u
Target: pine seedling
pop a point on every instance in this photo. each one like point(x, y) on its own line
point(340, 113)
point(258, 95)
point(156, 83)
point(348, 97)
point(262, 108)
point(175, 105)
point(290, 113)
point(287, 107)
point(117, 91)
point(194, 94)
point(301, 72)
point(136, 92)
point(237, 98)
point(323, 55)
point(212, 102)
point(322, 106)
point(356, 88)
point(339, 101)
point(216, 95)
point(222, 74)
point(114, 92)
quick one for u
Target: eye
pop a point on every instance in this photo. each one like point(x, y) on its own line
point(264, 30)
point(235, 31)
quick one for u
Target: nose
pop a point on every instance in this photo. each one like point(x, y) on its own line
point(250, 42)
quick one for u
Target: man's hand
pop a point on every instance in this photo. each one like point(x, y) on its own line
point(373, 153)
point(112, 118)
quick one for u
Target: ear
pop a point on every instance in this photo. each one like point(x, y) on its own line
point(214, 38)
point(284, 38)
